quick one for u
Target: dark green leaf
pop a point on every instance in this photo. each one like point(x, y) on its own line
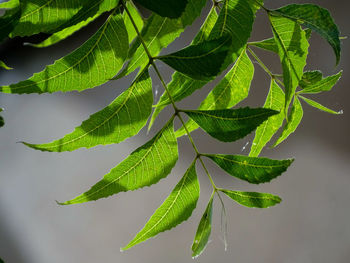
point(91, 65)
point(201, 61)
point(254, 170)
point(176, 208)
point(123, 118)
point(317, 19)
point(1, 119)
point(143, 167)
point(253, 199)
point(230, 125)
point(9, 21)
point(203, 231)
point(318, 85)
point(169, 8)
point(310, 78)
point(319, 106)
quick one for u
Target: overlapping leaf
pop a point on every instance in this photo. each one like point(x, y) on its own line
point(137, 19)
point(319, 106)
point(319, 84)
point(310, 78)
point(143, 167)
point(92, 64)
point(169, 8)
point(9, 20)
point(123, 118)
point(176, 208)
point(264, 133)
point(230, 125)
point(253, 199)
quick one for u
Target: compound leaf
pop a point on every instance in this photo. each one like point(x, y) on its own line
point(264, 133)
point(176, 208)
point(253, 199)
point(92, 64)
point(319, 106)
point(143, 167)
point(230, 125)
point(169, 8)
point(123, 118)
point(313, 86)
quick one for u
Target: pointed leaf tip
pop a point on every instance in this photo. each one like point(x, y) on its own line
point(253, 199)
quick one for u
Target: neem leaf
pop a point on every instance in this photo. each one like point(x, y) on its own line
point(123, 118)
point(229, 125)
point(203, 231)
point(319, 106)
point(9, 4)
point(253, 199)
point(4, 66)
point(254, 170)
point(292, 49)
point(310, 78)
point(317, 19)
point(294, 120)
point(264, 133)
point(143, 167)
point(316, 86)
point(201, 61)
point(9, 20)
point(169, 8)
point(176, 208)
point(137, 19)
point(91, 65)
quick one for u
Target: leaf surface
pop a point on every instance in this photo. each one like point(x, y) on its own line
point(137, 19)
point(319, 85)
point(169, 8)
point(143, 167)
point(319, 106)
point(175, 209)
point(91, 65)
point(230, 125)
point(9, 4)
point(253, 199)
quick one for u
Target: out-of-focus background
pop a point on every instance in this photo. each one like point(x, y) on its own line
point(310, 225)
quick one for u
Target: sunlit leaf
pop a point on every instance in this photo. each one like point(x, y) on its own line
point(319, 106)
point(137, 19)
point(9, 4)
point(169, 8)
point(4, 66)
point(319, 85)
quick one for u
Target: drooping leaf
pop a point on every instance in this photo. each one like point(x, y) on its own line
point(88, 13)
point(92, 64)
point(9, 4)
point(253, 199)
point(319, 85)
point(137, 19)
point(176, 208)
point(143, 167)
point(317, 19)
point(254, 170)
point(292, 49)
point(319, 106)
point(203, 231)
point(264, 133)
point(4, 66)
point(169, 8)
point(202, 61)
point(123, 118)
point(231, 90)
point(294, 120)
point(230, 125)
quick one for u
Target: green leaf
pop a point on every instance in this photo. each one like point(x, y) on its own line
point(319, 106)
point(91, 65)
point(317, 19)
point(123, 118)
point(176, 208)
point(203, 231)
point(231, 90)
point(169, 8)
point(201, 61)
point(253, 199)
point(230, 125)
point(325, 84)
point(137, 19)
point(264, 133)
point(143, 167)
point(294, 120)
point(310, 78)
point(9, 20)
point(292, 50)
point(4, 66)
point(254, 170)
point(88, 13)
point(9, 4)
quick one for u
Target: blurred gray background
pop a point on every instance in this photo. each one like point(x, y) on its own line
point(310, 225)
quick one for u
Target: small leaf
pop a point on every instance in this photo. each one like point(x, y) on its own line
point(137, 19)
point(169, 8)
point(4, 66)
point(319, 106)
point(201, 61)
point(230, 125)
point(92, 64)
point(9, 4)
point(317, 19)
point(123, 118)
point(143, 167)
point(203, 231)
point(253, 199)
point(264, 133)
point(254, 170)
point(176, 208)
point(294, 120)
point(316, 86)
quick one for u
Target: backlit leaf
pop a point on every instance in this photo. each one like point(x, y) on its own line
point(310, 78)
point(9, 4)
point(169, 8)
point(4, 66)
point(319, 106)
point(137, 19)
point(176, 208)
point(324, 84)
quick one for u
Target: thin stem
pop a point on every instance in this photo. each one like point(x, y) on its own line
point(262, 65)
